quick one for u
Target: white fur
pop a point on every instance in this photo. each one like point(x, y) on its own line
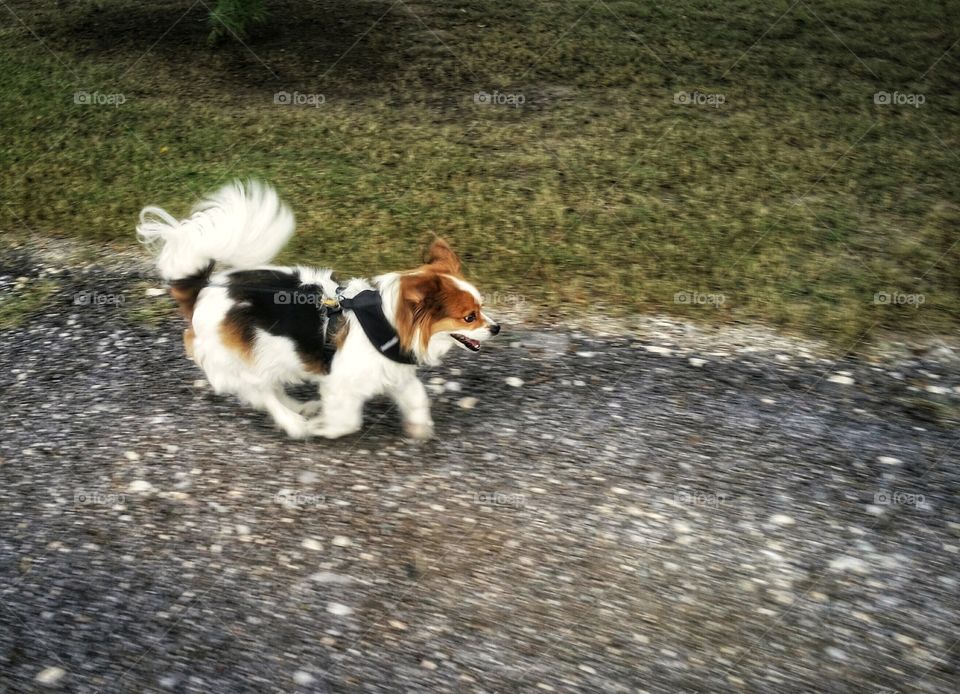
point(244, 226)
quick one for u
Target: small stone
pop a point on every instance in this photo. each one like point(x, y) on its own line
point(938, 390)
point(514, 382)
point(842, 379)
point(339, 609)
point(681, 527)
point(587, 669)
point(50, 675)
point(312, 544)
point(131, 455)
point(330, 578)
point(200, 383)
point(428, 664)
point(139, 487)
point(888, 460)
point(341, 541)
point(768, 401)
point(452, 386)
point(243, 530)
point(657, 349)
point(397, 624)
point(835, 653)
point(467, 403)
point(302, 677)
point(696, 361)
point(905, 640)
point(782, 519)
point(155, 291)
point(847, 563)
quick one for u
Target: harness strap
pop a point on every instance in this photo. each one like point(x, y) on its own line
point(367, 306)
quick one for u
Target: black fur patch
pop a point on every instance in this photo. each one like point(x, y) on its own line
point(276, 302)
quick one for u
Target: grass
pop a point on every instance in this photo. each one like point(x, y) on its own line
point(17, 305)
point(797, 200)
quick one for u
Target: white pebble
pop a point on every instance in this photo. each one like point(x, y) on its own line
point(50, 675)
point(155, 291)
point(514, 382)
point(339, 609)
point(428, 664)
point(139, 487)
point(452, 386)
point(888, 460)
point(657, 349)
point(312, 544)
point(467, 403)
point(842, 379)
point(847, 563)
point(302, 677)
point(782, 519)
point(695, 361)
point(342, 541)
point(131, 455)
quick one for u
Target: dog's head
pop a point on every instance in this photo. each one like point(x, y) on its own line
point(438, 309)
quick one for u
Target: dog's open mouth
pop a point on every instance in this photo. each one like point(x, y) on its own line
point(472, 345)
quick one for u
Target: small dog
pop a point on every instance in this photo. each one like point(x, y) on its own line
point(256, 328)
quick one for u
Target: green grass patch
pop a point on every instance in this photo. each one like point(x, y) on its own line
point(798, 199)
point(17, 305)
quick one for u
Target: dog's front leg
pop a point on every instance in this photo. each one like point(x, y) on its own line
point(411, 398)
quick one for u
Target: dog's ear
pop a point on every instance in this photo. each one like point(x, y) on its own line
point(442, 257)
point(421, 295)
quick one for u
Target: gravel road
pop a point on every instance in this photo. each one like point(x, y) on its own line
point(598, 514)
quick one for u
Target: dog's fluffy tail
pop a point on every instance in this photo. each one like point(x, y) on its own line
point(242, 225)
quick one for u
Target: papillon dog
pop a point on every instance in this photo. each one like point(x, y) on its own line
point(256, 328)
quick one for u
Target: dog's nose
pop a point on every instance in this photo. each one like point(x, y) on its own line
point(495, 328)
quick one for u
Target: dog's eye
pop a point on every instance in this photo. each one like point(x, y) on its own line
point(469, 319)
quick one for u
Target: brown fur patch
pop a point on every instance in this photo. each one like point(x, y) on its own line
point(318, 366)
point(188, 337)
point(185, 290)
point(237, 333)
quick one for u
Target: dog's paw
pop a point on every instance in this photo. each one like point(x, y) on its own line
point(310, 408)
point(318, 428)
point(418, 430)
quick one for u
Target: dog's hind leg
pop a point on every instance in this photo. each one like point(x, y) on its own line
point(279, 406)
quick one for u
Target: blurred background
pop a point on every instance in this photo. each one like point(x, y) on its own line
point(799, 160)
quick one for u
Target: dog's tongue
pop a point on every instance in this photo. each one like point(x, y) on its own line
point(471, 344)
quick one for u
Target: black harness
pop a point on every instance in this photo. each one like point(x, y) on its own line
point(367, 307)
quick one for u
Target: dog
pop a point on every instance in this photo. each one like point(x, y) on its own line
point(256, 328)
